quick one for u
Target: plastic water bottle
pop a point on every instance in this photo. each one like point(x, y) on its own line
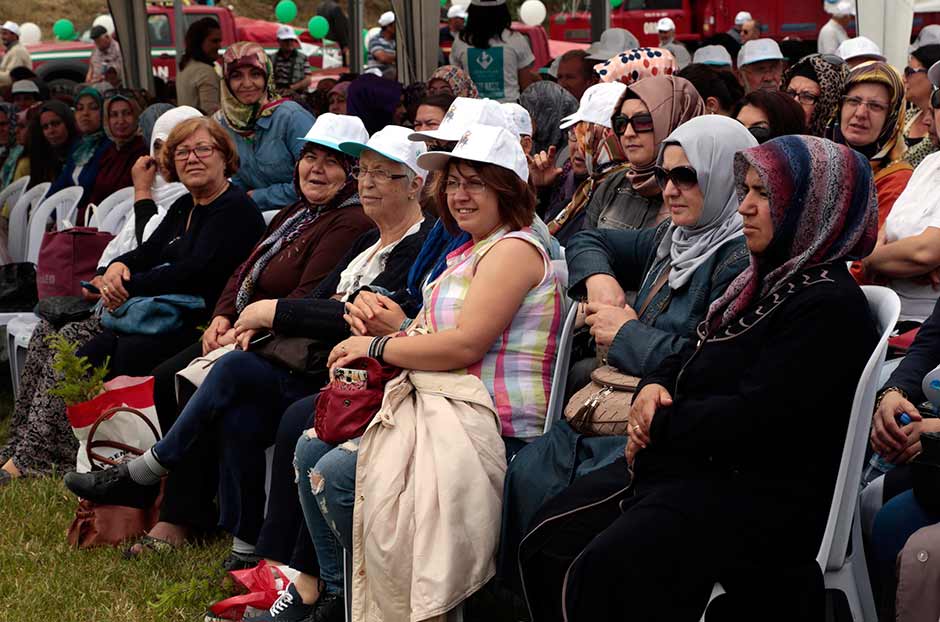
point(878, 466)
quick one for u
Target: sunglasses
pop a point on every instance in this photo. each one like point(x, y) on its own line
point(682, 177)
point(642, 123)
point(910, 71)
point(760, 133)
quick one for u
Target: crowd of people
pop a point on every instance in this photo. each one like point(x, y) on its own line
point(709, 218)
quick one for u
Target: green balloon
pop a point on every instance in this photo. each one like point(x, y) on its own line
point(318, 26)
point(285, 11)
point(443, 3)
point(64, 30)
point(616, 3)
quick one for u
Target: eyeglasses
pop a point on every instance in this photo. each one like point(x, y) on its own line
point(682, 177)
point(910, 71)
point(470, 186)
point(202, 151)
point(935, 99)
point(642, 123)
point(380, 175)
point(804, 97)
point(572, 136)
point(761, 133)
point(873, 105)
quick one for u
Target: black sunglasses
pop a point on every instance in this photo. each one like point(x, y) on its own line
point(910, 71)
point(682, 177)
point(642, 123)
point(760, 133)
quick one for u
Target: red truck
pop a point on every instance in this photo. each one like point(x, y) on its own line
point(63, 65)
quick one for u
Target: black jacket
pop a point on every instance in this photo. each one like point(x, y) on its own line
point(921, 358)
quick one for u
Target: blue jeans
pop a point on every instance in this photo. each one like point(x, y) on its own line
point(897, 521)
point(326, 482)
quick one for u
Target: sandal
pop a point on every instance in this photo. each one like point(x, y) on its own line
point(158, 545)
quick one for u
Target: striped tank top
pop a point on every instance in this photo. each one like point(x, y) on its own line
point(517, 369)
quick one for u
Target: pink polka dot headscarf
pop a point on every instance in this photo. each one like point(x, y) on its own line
point(633, 65)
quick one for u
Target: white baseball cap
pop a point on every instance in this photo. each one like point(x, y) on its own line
point(487, 2)
point(597, 105)
point(483, 143)
point(613, 41)
point(463, 113)
point(391, 142)
point(24, 86)
point(12, 27)
point(386, 18)
point(759, 50)
point(286, 32)
point(332, 130)
point(457, 11)
point(741, 18)
point(714, 55)
point(929, 35)
point(859, 47)
point(519, 117)
point(843, 8)
point(665, 25)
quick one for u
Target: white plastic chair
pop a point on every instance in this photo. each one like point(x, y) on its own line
point(556, 400)
point(18, 239)
point(100, 212)
point(66, 205)
point(14, 191)
point(842, 571)
point(269, 216)
point(114, 220)
point(38, 219)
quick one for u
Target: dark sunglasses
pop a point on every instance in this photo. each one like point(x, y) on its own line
point(832, 59)
point(910, 71)
point(682, 177)
point(760, 133)
point(935, 99)
point(642, 123)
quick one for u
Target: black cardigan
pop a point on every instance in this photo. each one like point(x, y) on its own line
point(921, 358)
point(318, 315)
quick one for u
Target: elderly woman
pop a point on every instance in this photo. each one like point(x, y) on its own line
point(453, 81)
point(816, 83)
point(712, 497)
point(84, 161)
point(121, 113)
point(769, 114)
point(264, 127)
point(918, 90)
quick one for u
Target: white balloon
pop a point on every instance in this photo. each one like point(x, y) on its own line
point(30, 33)
point(106, 21)
point(532, 12)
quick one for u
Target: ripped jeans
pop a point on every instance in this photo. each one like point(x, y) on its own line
point(326, 482)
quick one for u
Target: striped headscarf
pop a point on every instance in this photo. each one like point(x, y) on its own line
point(889, 146)
point(831, 80)
point(242, 117)
point(633, 65)
point(460, 83)
point(823, 207)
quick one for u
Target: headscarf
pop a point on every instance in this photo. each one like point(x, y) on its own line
point(341, 88)
point(671, 101)
point(710, 143)
point(46, 161)
point(460, 83)
point(831, 80)
point(547, 103)
point(8, 142)
point(241, 118)
point(889, 146)
point(823, 208)
point(633, 65)
point(147, 120)
point(88, 143)
point(373, 99)
point(16, 151)
point(165, 193)
point(134, 103)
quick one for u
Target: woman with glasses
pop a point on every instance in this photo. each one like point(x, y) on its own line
point(918, 90)
point(121, 114)
point(816, 82)
point(707, 491)
point(678, 269)
point(769, 114)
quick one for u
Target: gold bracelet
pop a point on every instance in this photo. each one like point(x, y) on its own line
point(881, 395)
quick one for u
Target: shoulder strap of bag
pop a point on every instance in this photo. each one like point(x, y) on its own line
point(658, 285)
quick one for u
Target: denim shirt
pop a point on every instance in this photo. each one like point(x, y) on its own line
point(267, 158)
point(670, 319)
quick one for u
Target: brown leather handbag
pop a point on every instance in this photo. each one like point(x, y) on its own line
point(602, 408)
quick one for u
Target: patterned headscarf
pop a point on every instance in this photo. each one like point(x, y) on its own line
point(547, 103)
point(8, 142)
point(831, 80)
point(671, 101)
point(823, 207)
point(460, 83)
point(634, 65)
point(242, 117)
point(133, 102)
point(889, 146)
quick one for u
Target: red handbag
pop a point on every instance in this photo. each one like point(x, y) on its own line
point(68, 257)
point(343, 412)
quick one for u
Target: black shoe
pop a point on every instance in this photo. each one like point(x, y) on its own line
point(239, 561)
point(289, 607)
point(112, 486)
point(328, 608)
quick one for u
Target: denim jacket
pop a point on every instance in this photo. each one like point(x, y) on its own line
point(670, 320)
point(268, 157)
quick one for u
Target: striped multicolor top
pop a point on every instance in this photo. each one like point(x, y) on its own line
point(517, 369)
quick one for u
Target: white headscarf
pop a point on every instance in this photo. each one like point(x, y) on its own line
point(710, 143)
point(164, 193)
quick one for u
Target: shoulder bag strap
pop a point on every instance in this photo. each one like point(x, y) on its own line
point(658, 285)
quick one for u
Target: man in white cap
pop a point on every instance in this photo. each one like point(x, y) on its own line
point(859, 50)
point(519, 119)
point(712, 55)
point(383, 53)
point(761, 65)
point(666, 28)
point(24, 93)
point(750, 31)
point(16, 54)
point(739, 20)
point(456, 17)
point(833, 33)
point(291, 69)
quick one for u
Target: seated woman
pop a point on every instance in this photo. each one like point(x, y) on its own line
point(17, 163)
point(236, 402)
point(679, 268)
point(918, 90)
point(816, 82)
point(769, 114)
point(451, 80)
point(52, 133)
point(40, 437)
point(121, 113)
point(264, 127)
point(84, 160)
point(719, 88)
point(712, 496)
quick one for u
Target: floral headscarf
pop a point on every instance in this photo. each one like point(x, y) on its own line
point(823, 208)
point(830, 77)
point(889, 146)
point(460, 83)
point(633, 65)
point(242, 117)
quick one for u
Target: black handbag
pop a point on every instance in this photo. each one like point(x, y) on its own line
point(61, 310)
point(18, 287)
point(300, 354)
